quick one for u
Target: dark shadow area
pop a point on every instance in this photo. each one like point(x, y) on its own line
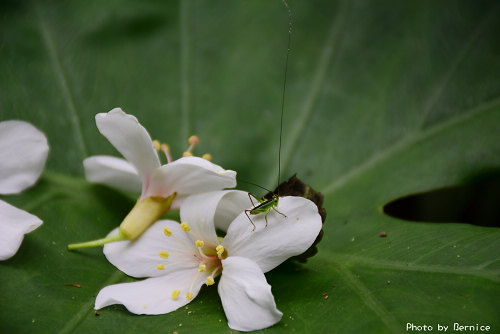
point(13, 7)
point(120, 203)
point(289, 267)
point(476, 202)
point(123, 29)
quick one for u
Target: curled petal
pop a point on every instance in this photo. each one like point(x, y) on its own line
point(140, 258)
point(178, 202)
point(152, 295)
point(200, 210)
point(14, 224)
point(23, 152)
point(229, 207)
point(283, 237)
point(114, 172)
point(190, 175)
point(246, 296)
point(131, 139)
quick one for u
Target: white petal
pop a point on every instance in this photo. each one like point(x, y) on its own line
point(281, 239)
point(246, 296)
point(114, 172)
point(190, 175)
point(23, 152)
point(199, 211)
point(153, 295)
point(178, 202)
point(14, 224)
point(140, 257)
point(131, 139)
point(230, 206)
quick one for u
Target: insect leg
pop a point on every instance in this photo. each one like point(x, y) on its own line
point(266, 216)
point(281, 213)
point(250, 196)
point(246, 212)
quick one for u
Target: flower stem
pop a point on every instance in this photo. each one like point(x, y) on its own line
point(144, 214)
point(99, 242)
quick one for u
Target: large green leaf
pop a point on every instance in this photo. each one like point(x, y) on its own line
point(384, 99)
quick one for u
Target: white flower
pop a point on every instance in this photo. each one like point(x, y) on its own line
point(180, 258)
point(142, 169)
point(23, 152)
point(163, 186)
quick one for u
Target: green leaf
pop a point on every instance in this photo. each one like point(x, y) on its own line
point(384, 99)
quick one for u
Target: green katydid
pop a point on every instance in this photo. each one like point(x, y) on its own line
point(265, 205)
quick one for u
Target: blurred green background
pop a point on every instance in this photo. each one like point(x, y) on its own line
point(385, 99)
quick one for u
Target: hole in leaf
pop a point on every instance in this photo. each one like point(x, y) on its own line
point(476, 202)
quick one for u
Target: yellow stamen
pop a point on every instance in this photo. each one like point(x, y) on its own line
point(160, 267)
point(200, 243)
point(165, 147)
point(194, 140)
point(156, 145)
point(185, 227)
point(167, 231)
point(166, 150)
point(207, 156)
point(219, 249)
point(164, 254)
point(210, 280)
point(175, 294)
point(190, 295)
point(202, 268)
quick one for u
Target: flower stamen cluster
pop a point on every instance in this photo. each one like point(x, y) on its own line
point(205, 255)
point(189, 152)
point(164, 148)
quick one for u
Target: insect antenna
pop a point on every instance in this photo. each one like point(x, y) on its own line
point(255, 184)
point(265, 205)
point(284, 87)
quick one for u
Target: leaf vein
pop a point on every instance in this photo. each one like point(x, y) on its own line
point(438, 92)
point(83, 313)
point(61, 77)
point(405, 143)
point(368, 298)
point(440, 248)
point(491, 275)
